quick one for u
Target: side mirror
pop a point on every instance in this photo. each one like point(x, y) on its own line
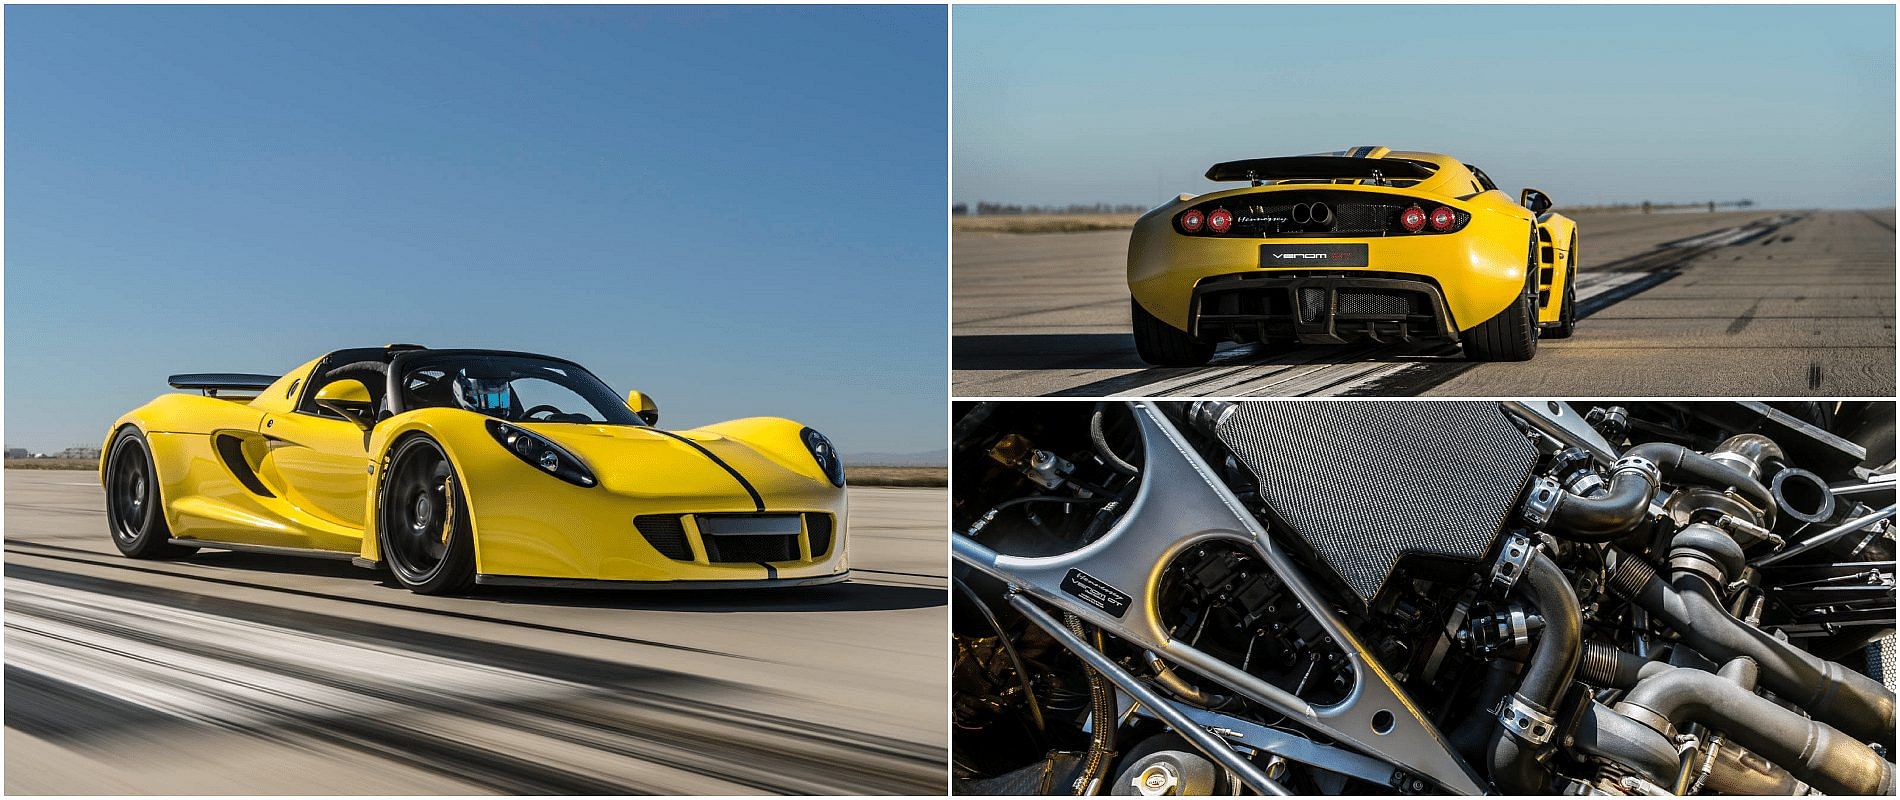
point(348, 397)
point(643, 407)
point(1536, 201)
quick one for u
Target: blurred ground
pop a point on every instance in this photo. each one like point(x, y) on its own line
point(1801, 307)
point(230, 673)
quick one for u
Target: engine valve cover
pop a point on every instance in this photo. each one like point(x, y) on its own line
point(1364, 485)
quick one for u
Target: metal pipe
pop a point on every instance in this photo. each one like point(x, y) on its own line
point(1829, 535)
point(1210, 744)
point(1813, 751)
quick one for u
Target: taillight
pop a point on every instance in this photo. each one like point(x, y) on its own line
point(1191, 221)
point(1443, 218)
point(1219, 220)
point(1413, 219)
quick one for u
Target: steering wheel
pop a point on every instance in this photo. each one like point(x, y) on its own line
point(529, 414)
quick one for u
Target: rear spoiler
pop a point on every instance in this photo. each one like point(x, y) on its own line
point(1317, 168)
point(211, 383)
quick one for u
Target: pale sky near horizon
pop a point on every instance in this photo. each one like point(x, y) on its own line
point(738, 210)
point(1789, 106)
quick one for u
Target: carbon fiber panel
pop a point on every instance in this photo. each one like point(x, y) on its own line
point(1364, 484)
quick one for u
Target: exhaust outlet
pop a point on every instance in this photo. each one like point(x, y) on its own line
point(1302, 214)
point(1320, 214)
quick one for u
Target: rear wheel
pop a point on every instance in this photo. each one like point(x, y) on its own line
point(133, 507)
point(1567, 317)
point(1512, 334)
point(1164, 345)
point(422, 519)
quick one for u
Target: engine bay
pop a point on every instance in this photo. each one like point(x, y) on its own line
point(1525, 597)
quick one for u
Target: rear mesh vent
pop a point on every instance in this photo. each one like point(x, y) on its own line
point(1384, 304)
point(1312, 304)
point(818, 530)
point(1364, 484)
point(666, 534)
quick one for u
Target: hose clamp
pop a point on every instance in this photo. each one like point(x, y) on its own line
point(1637, 464)
point(1740, 462)
point(1511, 561)
point(1525, 722)
point(1540, 504)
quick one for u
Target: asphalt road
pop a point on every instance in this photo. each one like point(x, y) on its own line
point(1679, 304)
point(230, 673)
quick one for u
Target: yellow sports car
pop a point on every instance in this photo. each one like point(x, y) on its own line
point(1360, 245)
point(460, 467)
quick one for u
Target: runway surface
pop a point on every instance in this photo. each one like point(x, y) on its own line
point(1749, 303)
point(231, 673)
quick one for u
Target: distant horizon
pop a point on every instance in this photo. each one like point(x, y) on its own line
point(1592, 104)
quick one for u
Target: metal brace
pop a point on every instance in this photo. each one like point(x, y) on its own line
point(1511, 560)
point(1524, 722)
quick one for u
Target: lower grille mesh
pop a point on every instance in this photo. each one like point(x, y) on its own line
point(818, 530)
point(729, 549)
point(666, 534)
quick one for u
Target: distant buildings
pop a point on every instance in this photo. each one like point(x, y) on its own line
point(19, 452)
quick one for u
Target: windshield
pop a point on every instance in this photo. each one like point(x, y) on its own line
point(514, 388)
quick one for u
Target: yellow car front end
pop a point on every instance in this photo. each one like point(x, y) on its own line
point(741, 505)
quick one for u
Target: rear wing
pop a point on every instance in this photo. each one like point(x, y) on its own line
point(211, 383)
point(1317, 168)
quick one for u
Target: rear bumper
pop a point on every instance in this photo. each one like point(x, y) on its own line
point(1319, 308)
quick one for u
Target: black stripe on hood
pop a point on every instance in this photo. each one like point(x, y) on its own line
point(757, 501)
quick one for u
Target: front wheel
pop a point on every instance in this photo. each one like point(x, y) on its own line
point(1164, 345)
point(422, 519)
point(1512, 334)
point(133, 509)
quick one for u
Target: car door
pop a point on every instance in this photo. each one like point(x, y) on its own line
point(321, 465)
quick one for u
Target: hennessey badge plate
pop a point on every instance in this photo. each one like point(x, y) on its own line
point(1313, 255)
point(1093, 591)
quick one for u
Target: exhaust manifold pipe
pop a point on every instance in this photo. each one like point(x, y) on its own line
point(1634, 479)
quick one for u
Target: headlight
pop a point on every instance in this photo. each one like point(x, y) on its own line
point(827, 456)
point(541, 454)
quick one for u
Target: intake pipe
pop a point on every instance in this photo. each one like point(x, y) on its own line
point(1812, 751)
point(1552, 666)
point(1690, 603)
point(1634, 479)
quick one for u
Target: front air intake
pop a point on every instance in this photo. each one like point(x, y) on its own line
point(1362, 486)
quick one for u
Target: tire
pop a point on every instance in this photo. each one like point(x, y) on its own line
point(135, 513)
point(422, 520)
point(1567, 316)
point(1512, 334)
point(1164, 345)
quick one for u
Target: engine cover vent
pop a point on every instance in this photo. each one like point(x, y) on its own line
point(1364, 484)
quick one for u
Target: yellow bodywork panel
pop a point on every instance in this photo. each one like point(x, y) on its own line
point(261, 472)
point(1480, 269)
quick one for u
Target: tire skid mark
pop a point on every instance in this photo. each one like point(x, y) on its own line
point(381, 698)
point(1385, 370)
point(111, 562)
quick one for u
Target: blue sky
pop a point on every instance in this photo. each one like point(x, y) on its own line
point(1791, 106)
point(738, 210)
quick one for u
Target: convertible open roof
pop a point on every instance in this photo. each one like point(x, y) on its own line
point(1317, 168)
